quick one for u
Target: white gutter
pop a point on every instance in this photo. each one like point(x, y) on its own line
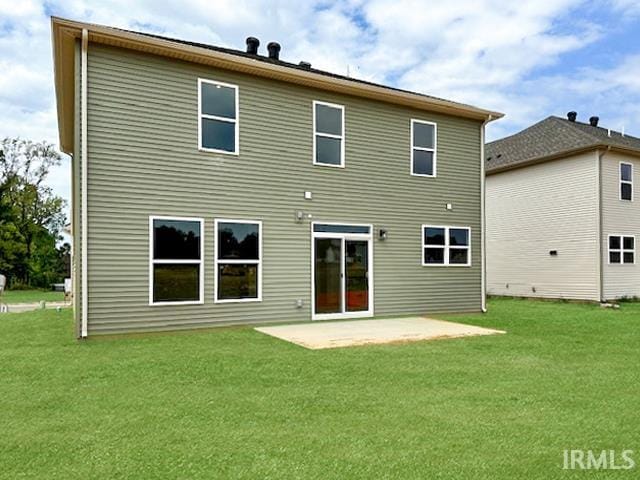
point(599, 157)
point(83, 153)
point(483, 247)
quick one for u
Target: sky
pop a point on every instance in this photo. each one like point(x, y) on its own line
point(526, 58)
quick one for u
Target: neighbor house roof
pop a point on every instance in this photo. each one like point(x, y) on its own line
point(66, 32)
point(552, 138)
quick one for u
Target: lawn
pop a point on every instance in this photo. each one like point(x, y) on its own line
point(232, 403)
point(31, 296)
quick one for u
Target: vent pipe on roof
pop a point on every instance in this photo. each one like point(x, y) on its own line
point(593, 121)
point(571, 116)
point(305, 65)
point(274, 50)
point(252, 45)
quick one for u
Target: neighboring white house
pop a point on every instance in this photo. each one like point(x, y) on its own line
point(563, 212)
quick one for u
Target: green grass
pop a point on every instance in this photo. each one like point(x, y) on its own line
point(232, 403)
point(31, 296)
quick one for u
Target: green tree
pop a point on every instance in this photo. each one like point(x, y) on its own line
point(31, 217)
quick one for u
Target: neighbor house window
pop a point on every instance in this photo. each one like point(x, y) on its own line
point(176, 267)
point(622, 249)
point(238, 260)
point(328, 134)
point(446, 245)
point(424, 138)
point(218, 116)
point(626, 181)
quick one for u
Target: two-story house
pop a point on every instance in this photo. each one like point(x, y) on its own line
point(563, 215)
point(215, 186)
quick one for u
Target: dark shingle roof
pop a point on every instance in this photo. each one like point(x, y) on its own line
point(294, 66)
point(549, 137)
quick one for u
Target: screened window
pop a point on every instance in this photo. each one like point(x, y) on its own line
point(176, 260)
point(446, 245)
point(423, 148)
point(238, 260)
point(218, 116)
point(622, 249)
point(626, 181)
point(328, 134)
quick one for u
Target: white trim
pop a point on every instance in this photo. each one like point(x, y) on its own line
point(483, 246)
point(84, 328)
point(434, 149)
point(343, 237)
point(329, 135)
point(621, 181)
point(235, 120)
point(153, 261)
point(621, 250)
point(239, 261)
point(446, 247)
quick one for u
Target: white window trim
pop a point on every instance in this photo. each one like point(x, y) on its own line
point(434, 149)
point(153, 262)
point(256, 262)
point(629, 182)
point(621, 250)
point(201, 115)
point(328, 135)
point(446, 247)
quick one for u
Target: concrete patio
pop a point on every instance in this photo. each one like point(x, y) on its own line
point(321, 335)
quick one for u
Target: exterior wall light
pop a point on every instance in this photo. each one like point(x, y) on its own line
point(382, 234)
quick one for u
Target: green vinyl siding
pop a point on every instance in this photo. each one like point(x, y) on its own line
point(144, 160)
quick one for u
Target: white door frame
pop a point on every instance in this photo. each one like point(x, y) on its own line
point(343, 237)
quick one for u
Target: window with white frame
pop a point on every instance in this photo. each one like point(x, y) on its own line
point(218, 116)
point(328, 134)
point(238, 260)
point(622, 249)
point(626, 181)
point(446, 245)
point(424, 139)
point(176, 267)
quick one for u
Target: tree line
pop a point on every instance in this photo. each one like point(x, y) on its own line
point(32, 218)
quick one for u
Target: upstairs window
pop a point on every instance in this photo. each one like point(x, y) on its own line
point(328, 134)
point(424, 138)
point(238, 260)
point(622, 250)
point(446, 245)
point(218, 117)
point(176, 268)
point(626, 181)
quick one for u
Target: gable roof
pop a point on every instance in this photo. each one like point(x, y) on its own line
point(551, 138)
point(65, 33)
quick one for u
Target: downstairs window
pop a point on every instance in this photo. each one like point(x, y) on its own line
point(238, 260)
point(446, 246)
point(176, 275)
point(622, 249)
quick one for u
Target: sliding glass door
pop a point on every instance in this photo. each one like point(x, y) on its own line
point(341, 271)
point(328, 275)
point(357, 273)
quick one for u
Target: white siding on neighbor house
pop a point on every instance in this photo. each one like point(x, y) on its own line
point(620, 217)
point(536, 209)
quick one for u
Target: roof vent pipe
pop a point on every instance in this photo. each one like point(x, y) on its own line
point(593, 121)
point(571, 116)
point(252, 45)
point(274, 50)
point(305, 65)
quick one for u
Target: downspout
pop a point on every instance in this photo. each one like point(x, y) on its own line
point(83, 181)
point(483, 248)
point(600, 156)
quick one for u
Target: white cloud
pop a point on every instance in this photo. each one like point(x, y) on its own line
point(485, 52)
